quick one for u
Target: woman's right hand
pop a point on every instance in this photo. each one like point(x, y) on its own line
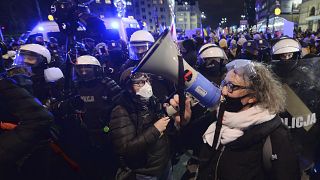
point(161, 124)
point(187, 115)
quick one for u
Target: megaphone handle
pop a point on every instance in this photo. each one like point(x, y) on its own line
point(181, 85)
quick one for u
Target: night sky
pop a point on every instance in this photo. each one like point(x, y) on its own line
point(217, 9)
point(21, 15)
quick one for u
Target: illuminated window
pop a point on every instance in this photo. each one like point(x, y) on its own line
point(180, 19)
point(98, 1)
point(160, 1)
point(129, 3)
point(107, 1)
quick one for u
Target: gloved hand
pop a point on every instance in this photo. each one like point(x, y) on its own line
point(67, 106)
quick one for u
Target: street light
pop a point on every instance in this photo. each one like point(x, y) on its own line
point(243, 16)
point(202, 16)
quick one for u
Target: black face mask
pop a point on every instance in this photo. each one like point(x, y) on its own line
point(234, 104)
point(282, 68)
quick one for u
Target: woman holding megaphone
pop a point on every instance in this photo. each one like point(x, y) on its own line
point(252, 142)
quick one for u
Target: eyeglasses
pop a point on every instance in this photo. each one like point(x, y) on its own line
point(232, 87)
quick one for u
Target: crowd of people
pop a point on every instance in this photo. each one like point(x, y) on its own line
point(82, 113)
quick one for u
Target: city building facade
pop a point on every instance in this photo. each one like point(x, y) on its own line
point(310, 15)
point(154, 14)
point(187, 15)
point(289, 9)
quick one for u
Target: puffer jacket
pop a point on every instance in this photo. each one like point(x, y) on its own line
point(32, 119)
point(242, 158)
point(137, 140)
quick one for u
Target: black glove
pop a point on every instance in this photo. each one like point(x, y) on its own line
point(68, 106)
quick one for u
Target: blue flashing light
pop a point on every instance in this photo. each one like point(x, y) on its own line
point(115, 25)
point(40, 28)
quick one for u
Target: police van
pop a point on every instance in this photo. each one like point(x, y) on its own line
point(122, 28)
point(117, 28)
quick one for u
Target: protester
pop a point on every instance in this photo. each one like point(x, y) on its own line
point(21, 131)
point(253, 99)
point(138, 131)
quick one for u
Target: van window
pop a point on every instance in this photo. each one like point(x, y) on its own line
point(130, 31)
point(32, 38)
point(112, 34)
point(61, 37)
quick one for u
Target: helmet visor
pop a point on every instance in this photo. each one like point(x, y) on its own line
point(27, 58)
point(137, 50)
point(86, 72)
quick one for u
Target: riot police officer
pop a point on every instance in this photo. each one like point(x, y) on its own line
point(140, 42)
point(97, 92)
point(303, 101)
point(211, 61)
point(32, 63)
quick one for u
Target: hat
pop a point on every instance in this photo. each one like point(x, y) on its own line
point(127, 75)
point(256, 37)
point(250, 46)
point(233, 44)
point(223, 43)
point(262, 44)
point(241, 41)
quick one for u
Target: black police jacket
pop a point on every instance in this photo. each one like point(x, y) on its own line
point(242, 158)
point(136, 139)
point(32, 119)
point(303, 106)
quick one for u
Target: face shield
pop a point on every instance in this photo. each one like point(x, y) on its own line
point(210, 62)
point(286, 56)
point(87, 72)
point(25, 61)
point(243, 68)
point(138, 49)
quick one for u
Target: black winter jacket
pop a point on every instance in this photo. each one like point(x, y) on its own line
point(137, 140)
point(242, 158)
point(18, 106)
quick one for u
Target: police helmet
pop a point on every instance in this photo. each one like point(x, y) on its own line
point(140, 42)
point(88, 68)
point(286, 48)
point(210, 54)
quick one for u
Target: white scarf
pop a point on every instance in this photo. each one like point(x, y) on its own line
point(233, 124)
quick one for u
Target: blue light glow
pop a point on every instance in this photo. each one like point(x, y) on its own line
point(40, 28)
point(115, 25)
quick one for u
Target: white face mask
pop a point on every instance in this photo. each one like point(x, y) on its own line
point(145, 91)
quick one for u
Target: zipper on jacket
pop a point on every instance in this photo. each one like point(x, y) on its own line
point(216, 169)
